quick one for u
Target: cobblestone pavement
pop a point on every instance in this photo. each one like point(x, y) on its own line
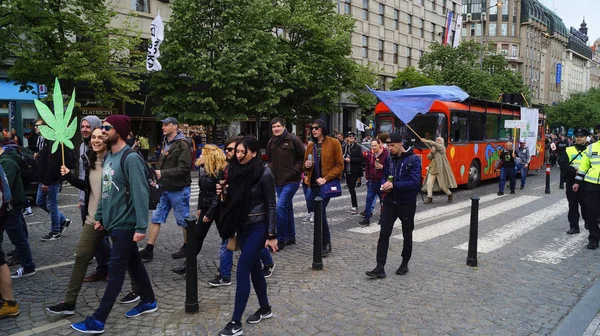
point(529, 279)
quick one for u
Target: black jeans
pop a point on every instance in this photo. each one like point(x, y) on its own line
point(201, 230)
point(406, 213)
point(592, 204)
point(576, 199)
point(351, 182)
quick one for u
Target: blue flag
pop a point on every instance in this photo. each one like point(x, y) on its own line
point(407, 103)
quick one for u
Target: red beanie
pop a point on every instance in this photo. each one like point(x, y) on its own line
point(121, 123)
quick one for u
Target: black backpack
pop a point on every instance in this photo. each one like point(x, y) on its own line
point(27, 166)
point(154, 191)
point(5, 194)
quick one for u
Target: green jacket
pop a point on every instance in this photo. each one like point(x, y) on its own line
point(117, 210)
point(175, 164)
point(10, 162)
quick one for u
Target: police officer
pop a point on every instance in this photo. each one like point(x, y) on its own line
point(588, 175)
point(569, 165)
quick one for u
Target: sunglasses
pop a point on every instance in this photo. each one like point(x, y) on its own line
point(315, 127)
point(106, 127)
point(230, 149)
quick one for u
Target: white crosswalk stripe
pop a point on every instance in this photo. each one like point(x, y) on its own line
point(511, 232)
point(448, 226)
point(558, 250)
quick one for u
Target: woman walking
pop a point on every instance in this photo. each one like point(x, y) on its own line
point(439, 170)
point(249, 211)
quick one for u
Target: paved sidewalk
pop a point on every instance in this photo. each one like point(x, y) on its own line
point(584, 319)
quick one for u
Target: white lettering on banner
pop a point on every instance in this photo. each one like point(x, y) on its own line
point(531, 117)
point(515, 124)
point(157, 32)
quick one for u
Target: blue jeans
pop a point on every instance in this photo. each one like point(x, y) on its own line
point(124, 255)
point(314, 192)
point(373, 189)
point(13, 225)
point(286, 228)
point(178, 200)
point(226, 259)
point(511, 173)
point(310, 205)
point(521, 168)
point(251, 239)
point(48, 201)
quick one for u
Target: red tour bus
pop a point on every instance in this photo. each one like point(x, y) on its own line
point(473, 132)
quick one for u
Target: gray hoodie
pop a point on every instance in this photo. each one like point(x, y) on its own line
point(94, 122)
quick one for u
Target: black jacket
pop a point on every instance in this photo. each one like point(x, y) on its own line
point(49, 163)
point(353, 151)
point(264, 202)
point(80, 184)
point(207, 195)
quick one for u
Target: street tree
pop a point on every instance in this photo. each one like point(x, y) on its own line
point(74, 41)
point(220, 62)
point(579, 110)
point(410, 77)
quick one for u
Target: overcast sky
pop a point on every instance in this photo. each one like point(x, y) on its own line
point(573, 11)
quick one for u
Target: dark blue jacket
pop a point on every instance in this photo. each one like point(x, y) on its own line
point(406, 169)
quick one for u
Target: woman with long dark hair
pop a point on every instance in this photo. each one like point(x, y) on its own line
point(249, 214)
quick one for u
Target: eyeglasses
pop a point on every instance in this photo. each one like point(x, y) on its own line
point(230, 149)
point(38, 125)
point(315, 127)
point(106, 127)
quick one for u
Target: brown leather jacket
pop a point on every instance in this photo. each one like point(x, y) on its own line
point(332, 161)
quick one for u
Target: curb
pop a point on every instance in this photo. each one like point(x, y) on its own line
point(579, 319)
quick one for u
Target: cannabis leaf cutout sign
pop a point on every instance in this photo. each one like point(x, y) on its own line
point(57, 126)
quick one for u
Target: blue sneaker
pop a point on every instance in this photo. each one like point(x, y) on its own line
point(142, 308)
point(89, 326)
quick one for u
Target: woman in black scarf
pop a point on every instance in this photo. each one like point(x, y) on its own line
point(249, 211)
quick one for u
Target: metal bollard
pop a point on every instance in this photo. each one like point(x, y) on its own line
point(317, 264)
point(548, 178)
point(472, 253)
point(191, 274)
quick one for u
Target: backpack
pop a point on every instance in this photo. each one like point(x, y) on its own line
point(5, 194)
point(154, 192)
point(28, 167)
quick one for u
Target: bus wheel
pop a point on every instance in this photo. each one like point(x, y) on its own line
point(474, 175)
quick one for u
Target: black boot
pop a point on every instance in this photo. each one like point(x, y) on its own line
point(180, 269)
point(572, 231)
point(377, 273)
point(403, 269)
point(326, 250)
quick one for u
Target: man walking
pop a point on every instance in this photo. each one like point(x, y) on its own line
point(8, 305)
point(375, 165)
point(123, 212)
point(50, 182)
point(570, 164)
point(523, 162)
point(401, 182)
point(507, 169)
point(285, 152)
point(353, 160)
point(174, 177)
point(325, 164)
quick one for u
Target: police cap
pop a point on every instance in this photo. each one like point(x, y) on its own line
point(580, 131)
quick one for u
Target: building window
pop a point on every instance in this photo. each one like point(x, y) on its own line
point(476, 6)
point(505, 7)
point(140, 6)
point(504, 50)
point(381, 13)
point(365, 10)
point(515, 51)
point(464, 32)
point(422, 28)
point(409, 22)
point(472, 29)
point(504, 31)
point(514, 9)
point(465, 9)
point(454, 7)
point(395, 51)
point(493, 7)
point(433, 31)
point(433, 5)
point(420, 54)
point(396, 19)
point(347, 4)
point(513, 29)
point(408, 56)
point(492, 29)
point(444, 3)
point(380, 50)
point(478, 29)
point(365, 46)
point(422, 2)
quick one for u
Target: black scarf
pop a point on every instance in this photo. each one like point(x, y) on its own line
point(280, 139)
point(241, 179)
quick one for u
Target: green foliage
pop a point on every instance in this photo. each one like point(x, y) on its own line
point(475, 68)
point(409, 78)
point(580, 110)
point(71, 40)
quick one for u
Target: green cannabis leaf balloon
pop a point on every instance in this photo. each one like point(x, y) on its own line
point(57, 126)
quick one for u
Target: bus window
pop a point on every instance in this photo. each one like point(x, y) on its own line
point(505, 133)
point(491, 126)
point(429, 126)
point(476, 126)
point(458, 128)
point(385, 125)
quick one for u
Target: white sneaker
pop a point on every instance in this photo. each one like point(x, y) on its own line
point(307, 218)
point(27, 212)
point(353, 210)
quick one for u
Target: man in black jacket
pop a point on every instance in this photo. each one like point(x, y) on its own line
point(50, 182)
point(353, 161)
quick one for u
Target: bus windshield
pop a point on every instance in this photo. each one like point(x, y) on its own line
point(428, 126)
